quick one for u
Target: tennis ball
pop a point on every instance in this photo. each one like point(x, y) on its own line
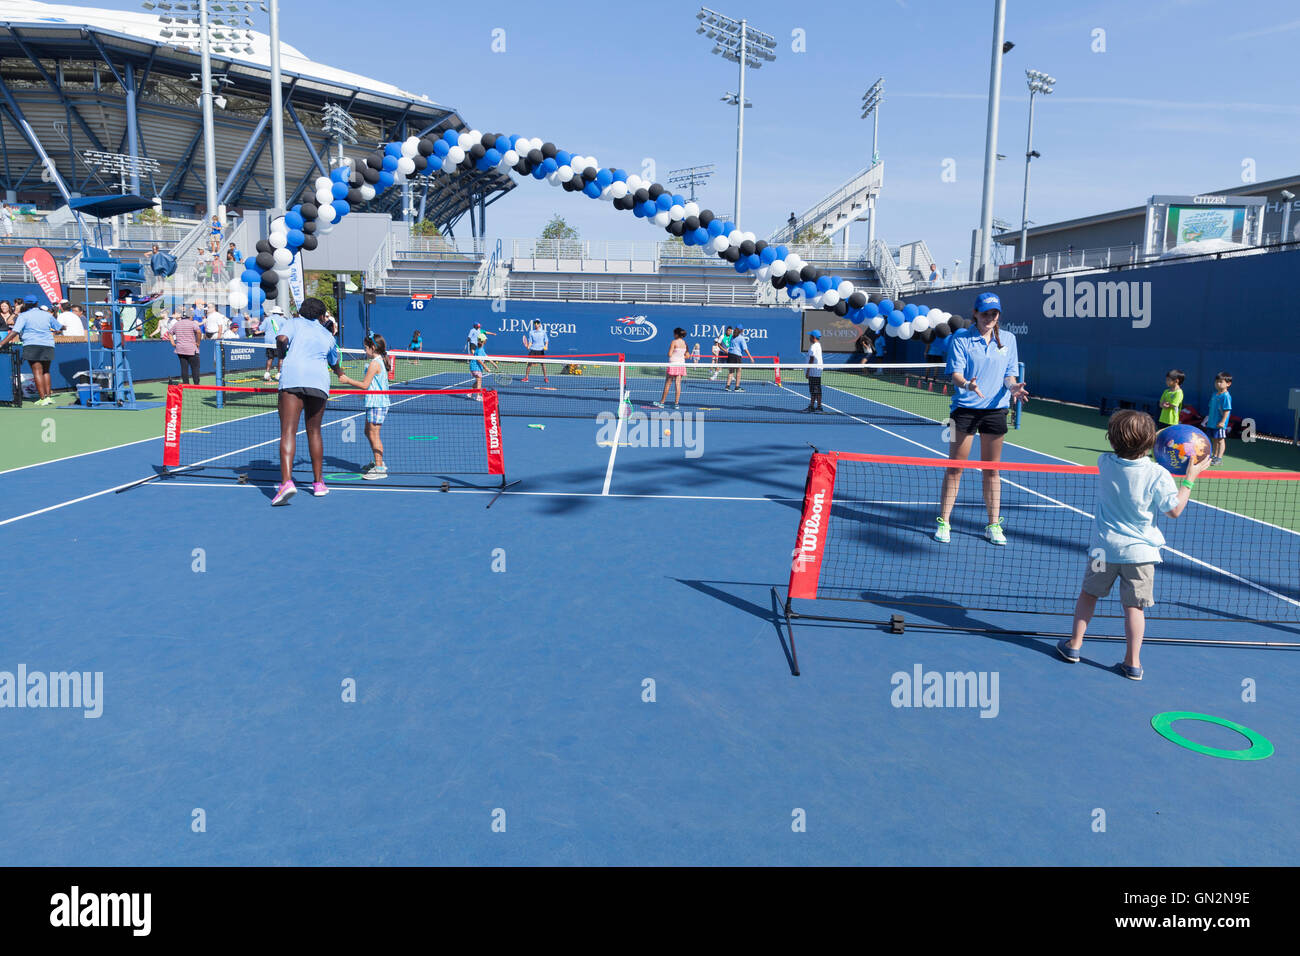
point(668, 431)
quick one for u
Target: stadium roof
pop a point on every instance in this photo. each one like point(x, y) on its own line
point(67, 69)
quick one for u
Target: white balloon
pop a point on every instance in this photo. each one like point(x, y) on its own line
point(662, 218)
point(448, 164)
point(830, 297)
point(508, 159)
point(464, 140)
point(779, 267)
point(846, 289)
point(692, 208)
point(892, 330)
point(876, 323)
point(405, 166)
point(456, 154)
point(565, 173)
point(324, 197)
point(634, 182)
point(282, 257)
point(618, 190)
point(764, 273)
point(322, 182)
point(735, 237)
point(326, 214)
point(278, 239)
point(905, 330)
point(593, 163)
point(816, 302)
point(367, 192)
point(920, 323)
point(238, 297)
point(553, 178)
point(719, 243)
point(324, 230)
point(750, 236)
point(676, 213)
point(411, 146)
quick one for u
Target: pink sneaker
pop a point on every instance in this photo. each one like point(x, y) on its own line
point(283, 493)
point(319, 490)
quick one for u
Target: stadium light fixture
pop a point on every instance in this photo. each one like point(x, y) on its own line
point(745, 46)
point(871, 101)
point(980, 266)
point(1038, 82)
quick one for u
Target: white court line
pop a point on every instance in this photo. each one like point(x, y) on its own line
point(613, 448)
point(372, 488)
point(83, 454)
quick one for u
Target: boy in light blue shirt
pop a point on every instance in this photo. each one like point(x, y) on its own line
point(1220, 410)
point(1126, 543)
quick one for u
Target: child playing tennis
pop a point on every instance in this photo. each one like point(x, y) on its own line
point(476, 367)
point(1125, 541)
point(1217, 420)
point(1171, 399)
point(377, 403)
point(676, 370)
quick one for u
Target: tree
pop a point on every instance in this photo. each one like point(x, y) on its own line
point(557, 228)
point(812, 236)
point(427, 228)
point(559, 239)
point(321, 285)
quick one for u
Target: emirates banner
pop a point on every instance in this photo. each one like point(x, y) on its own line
point(46, 272)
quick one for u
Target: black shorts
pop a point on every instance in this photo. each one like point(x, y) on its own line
point(39, 353)
point(733, 359)
point(983, 421)
point(537, 351)
point(303, 392)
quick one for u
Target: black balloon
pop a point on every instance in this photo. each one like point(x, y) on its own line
point(731, 254)
point(548, 151)
point(310, 242)
point(927, 336)
point(875, 297)
point(706, 217)
point(426, 146)
point(535, 157)
point(522, 166)
point(857, 300)
point(746, 247)
point(476, 152)
point(760, 245)
point(308, 227)
point(676, 228)
point(354, 197)
point(265, 260)
point(354, 178)
point(840, 308)
point(270, 281)
point(641, 195)
point(489, 140)
point(779, 282)
point(589, 174)
point(421, 164)
point(376, 159)
point(369, 175)
point(942, 330)
point(655, 191)
point(263, 246)
point(808, 274)
point(308, 211)
point(692, 223)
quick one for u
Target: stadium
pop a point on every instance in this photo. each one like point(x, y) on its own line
point(737, 499)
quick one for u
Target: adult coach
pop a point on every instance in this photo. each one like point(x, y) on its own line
point(737, 348)
point(310, 352)
point(537, 342)
point(983, 363)
point(36, 326)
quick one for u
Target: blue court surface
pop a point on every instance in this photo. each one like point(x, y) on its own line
point(227, 633)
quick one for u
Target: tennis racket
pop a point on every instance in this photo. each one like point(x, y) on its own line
point(502, 379)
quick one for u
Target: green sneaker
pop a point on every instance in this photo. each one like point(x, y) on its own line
point(994, 533)
point(943, 533)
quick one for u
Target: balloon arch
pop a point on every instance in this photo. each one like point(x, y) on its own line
point(334, 196)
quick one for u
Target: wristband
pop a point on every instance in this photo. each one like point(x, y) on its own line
point(1188, 484)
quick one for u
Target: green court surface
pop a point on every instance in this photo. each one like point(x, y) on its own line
point(34, 434)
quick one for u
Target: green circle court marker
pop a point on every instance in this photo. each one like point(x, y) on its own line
point(344, 476)
point(1260, 747)
point(422, 437)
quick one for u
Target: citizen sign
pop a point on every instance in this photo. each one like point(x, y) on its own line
point(1210, 200)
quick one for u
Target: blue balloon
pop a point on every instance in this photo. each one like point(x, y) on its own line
point(250, 277)
point(493, 156)
point(794, 290)
point(857, 316)
point(782, 252)
point(341, 207)
point(701, 236)
point(679, 200)
point(539, 172)
point(742, 265)
point(451, 137)
point(393, 149)
point(870, 310)
point(592, 189)
point(897, 318)
point(649, 208)
point(390, 164)
point(688, 237)
point(293, 219)
point(809, 289)
point(824, 283)
point(922, 310)
point(260, 294)
point(638, 210)
point(886, 306)
point(715, 228)
point(767, 256)
point(339, 190)
point(620, 175)
point(604, 177)
point(440, 148)
point(728, 228)
point(909, 312)
point(549, 166)
point(385, 180)
point(296, 236)
point(483, 162)
point(664, 202)
point(563, 157)
point(753, 261)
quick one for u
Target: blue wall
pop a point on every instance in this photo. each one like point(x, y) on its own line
point(1239, 315)
point(150, 361)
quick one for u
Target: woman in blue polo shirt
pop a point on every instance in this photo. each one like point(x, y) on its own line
point(310, 352)
point(983, 363)
point(37, 328)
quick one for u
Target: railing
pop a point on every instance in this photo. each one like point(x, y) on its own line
point(882, 260)
point(484, 284)
point(861, 182)
point(376, 273)
point(915, 255)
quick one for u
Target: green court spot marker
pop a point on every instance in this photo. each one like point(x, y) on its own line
point(344, 476)
point(422, 437)
point(1260, 747)
point(542, 427)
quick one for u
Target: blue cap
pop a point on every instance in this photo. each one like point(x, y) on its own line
point(815, 333)
point(29, 300)
point(987, 302)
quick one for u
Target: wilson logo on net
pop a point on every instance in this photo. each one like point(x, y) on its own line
point(810, 536)
point(494, 433)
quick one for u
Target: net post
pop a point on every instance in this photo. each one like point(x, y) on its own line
point(218, 367)
point(1020, 376)
point(789, 631)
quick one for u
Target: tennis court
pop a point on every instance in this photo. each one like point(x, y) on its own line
point(601, 659)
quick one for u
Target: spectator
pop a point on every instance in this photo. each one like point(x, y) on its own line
point(166, 323)
point(7, 217)
point(252, 325)
point(7, 315)
point(934, 273)
point(417, 343)
point(186, 334)
point(97, 325)
point(215, 231)
point(272, 321)
point(74, 322)
point(232, 328)
point(216, 324)
point(36, 326)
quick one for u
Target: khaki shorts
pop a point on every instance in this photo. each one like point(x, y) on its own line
point(1136, 583)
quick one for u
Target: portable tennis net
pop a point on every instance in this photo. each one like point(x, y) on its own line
point(585, 386)
point(866, 534)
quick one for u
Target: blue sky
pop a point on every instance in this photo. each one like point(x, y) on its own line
point(1185, 91)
